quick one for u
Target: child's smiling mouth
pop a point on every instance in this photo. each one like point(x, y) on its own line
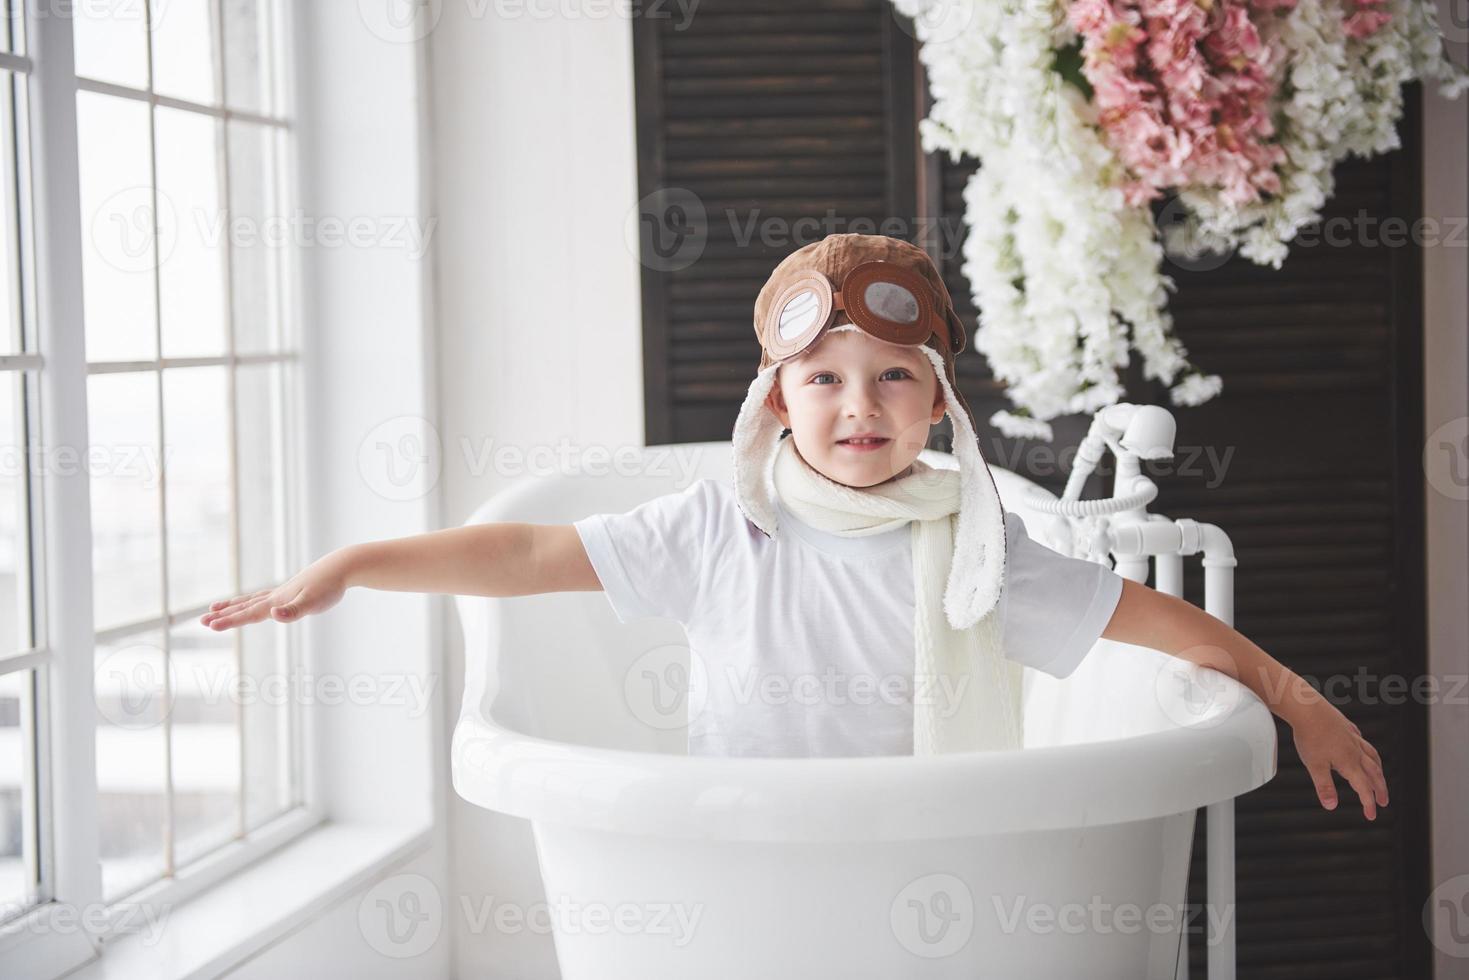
point(864, 445)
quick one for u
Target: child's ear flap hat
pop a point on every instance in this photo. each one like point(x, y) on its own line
point(890, 289)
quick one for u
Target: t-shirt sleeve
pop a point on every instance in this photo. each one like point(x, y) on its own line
point(650, 560)
point(1053, 607)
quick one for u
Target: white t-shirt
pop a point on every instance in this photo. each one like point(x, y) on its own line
point(802, 644)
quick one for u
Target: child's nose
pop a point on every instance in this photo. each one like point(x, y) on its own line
point(862, 400)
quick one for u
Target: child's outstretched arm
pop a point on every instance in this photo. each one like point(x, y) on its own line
point(1324, 737)
point(506, 559)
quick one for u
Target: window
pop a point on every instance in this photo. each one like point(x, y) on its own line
point(184, 267)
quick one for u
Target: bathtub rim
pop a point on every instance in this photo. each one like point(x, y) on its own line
point(830, 799)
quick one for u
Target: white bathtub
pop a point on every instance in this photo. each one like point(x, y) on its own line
point(1066, 859)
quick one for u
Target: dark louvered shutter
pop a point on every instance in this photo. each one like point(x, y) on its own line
point(766, 113)
point(796, 109)
point(1319, 430)
point(1323, 407)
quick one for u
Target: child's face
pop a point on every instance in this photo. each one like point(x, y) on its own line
point(851, 383)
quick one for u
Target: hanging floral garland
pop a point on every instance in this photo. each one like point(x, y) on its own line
point(1084, 112)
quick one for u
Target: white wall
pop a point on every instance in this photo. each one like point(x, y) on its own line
point(1446, 382)
point(368, 347)
point(539, 326)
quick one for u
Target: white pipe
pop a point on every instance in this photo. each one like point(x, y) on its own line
point(1220, 858)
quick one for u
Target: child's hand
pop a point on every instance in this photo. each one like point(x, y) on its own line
point(1327, 740)
point(314, 589)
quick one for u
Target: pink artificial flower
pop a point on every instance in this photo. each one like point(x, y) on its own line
point(1183, 89)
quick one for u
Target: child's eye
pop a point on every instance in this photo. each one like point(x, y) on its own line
point(827, 374)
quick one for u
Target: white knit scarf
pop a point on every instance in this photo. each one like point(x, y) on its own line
point(966, 694)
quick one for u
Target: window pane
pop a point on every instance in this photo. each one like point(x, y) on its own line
point(122, 414)
point(183, 49)
point(206, 739)
point(120, 246)
point(19, 869)
point(261, 468)
point(12, 27)
point(132, 805)
point(15, 614)
point(10, 322)
point(267, 722)
point(191, 276)
point(261, 239)
point(112, 41)
point(196, 431)
point(248, 28)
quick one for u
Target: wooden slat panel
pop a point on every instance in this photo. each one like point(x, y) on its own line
point(1317, 495)
point(770, 113)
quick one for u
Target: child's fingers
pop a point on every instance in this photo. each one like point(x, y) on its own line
point(243, 617)
point(291, 609)
point(225, 606)
point(1358, 778)
point(1325, 788)
point(252, 611)
point(1373, 769)
point(1371, 750)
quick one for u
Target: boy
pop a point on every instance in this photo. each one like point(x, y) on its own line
point(890, 568)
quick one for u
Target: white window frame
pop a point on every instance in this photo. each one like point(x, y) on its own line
point(367, 353)
point(47, 941)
